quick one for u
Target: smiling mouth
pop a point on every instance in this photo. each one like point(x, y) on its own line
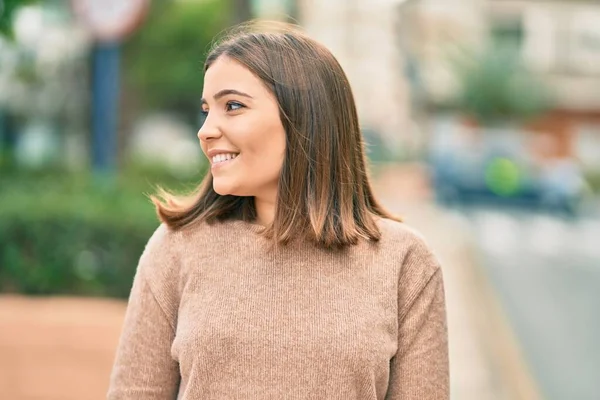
point(220, 159)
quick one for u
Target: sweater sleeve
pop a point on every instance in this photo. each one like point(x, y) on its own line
point(143, 367)
point(420, 368)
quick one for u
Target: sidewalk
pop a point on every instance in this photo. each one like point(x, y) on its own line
point(486, 362)
point(57, 348)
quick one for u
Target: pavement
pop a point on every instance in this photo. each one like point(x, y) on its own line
point(57, 348)
point(546, 271)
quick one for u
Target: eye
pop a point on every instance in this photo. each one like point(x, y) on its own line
point(233, 106)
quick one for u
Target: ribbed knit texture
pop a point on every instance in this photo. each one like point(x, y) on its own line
point(215, 314)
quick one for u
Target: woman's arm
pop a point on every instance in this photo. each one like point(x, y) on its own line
point(420, 368)
point(144, 368)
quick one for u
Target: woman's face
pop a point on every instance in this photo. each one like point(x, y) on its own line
point(242, 135)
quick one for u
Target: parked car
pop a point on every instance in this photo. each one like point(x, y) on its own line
point(495, 167)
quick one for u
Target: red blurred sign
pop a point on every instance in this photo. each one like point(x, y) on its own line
point(110, 20)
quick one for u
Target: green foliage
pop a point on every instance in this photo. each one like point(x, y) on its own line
point(496, 87)
point(164, 59)
point(65, 234)
point(8, 9)
point(592, 178)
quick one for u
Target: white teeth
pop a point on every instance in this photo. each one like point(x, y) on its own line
point(223, 157)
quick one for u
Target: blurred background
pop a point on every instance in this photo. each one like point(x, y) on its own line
point(482, 119)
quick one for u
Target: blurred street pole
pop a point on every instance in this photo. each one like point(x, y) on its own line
point(109, 21)
point(105, 106)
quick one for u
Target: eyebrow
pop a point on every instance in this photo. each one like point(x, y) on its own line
point(225, 92)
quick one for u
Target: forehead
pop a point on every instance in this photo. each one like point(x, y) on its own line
point(226, 73)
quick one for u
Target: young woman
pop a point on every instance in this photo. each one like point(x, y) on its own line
point(282, 277)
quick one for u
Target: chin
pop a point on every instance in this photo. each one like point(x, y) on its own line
point(224, 189)
point(221, 190)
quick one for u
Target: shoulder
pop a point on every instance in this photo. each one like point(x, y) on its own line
point(418, 260)
point(159, 258)
point(401, 236)
point(167, 241)
point(169, 251)
point(399, 231)
point(164, 263)
point(164, 241)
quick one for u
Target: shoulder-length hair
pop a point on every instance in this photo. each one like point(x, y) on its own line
point(324, 194)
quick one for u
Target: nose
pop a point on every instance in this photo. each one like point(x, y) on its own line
point(208, 131)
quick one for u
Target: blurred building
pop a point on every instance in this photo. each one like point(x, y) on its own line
point(395, 53)
point(558, 40)
point(561, 41)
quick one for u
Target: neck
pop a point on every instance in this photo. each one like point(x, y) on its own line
point(265, 210)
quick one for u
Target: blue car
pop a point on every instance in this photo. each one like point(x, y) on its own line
point(494, 167)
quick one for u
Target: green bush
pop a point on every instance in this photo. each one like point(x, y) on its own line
point(70, 236)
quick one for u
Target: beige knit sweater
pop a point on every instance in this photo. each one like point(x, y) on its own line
point(214, 315)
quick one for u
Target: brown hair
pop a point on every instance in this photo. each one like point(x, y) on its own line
point(324, 194)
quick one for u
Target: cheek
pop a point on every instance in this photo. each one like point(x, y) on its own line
point(271, 154)
point(263, 163)
point(266, 144)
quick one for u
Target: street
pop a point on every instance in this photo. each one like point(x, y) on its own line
point(546, 272)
